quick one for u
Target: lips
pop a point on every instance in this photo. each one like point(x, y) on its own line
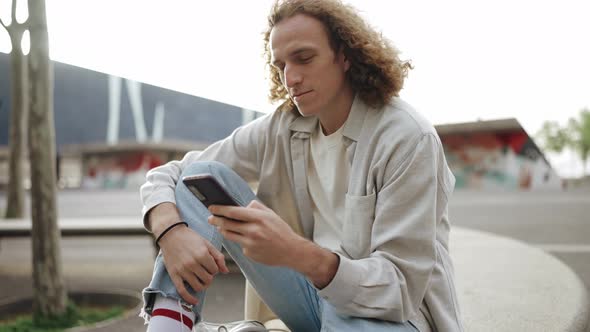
point(301, 94)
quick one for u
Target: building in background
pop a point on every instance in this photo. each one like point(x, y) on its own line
point(496, 154)
point(111, 130)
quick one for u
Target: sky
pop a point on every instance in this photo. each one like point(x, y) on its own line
point(473, 59)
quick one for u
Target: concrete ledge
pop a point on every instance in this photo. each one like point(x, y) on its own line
point(97, 226)
point(506, 285)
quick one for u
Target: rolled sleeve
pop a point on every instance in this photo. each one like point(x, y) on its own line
point(156, 197)
point(343, 287)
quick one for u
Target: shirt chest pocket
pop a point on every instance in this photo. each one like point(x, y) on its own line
point(358, 223)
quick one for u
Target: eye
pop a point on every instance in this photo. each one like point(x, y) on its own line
point(306, 59)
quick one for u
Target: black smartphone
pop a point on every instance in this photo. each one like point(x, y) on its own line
point(208, 190)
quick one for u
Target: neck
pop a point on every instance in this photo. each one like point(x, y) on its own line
point(336, 116)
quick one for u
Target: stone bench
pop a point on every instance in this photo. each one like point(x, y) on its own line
point(506, 285)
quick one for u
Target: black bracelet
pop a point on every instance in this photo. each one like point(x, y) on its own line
point(169, 228)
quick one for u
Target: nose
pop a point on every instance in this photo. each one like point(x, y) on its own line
point(291, 76)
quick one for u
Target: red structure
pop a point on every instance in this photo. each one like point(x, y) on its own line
point(496, 154)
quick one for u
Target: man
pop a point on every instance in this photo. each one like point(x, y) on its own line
point(349, 229)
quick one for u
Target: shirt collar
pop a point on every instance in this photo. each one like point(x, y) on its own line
point(356, 119)
point(352, 126)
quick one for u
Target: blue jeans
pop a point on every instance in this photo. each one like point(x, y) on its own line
point(287, 292)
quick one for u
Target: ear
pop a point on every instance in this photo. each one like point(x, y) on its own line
point(344, 60)
point(346, 64)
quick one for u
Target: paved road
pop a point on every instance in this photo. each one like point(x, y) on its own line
point(556, 222)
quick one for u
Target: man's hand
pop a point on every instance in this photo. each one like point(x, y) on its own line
point(266, 238)
point(263, 235)
point(187, 256)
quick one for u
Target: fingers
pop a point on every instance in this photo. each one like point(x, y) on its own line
point(234, 237)
point(208, 262)
point(182, 291)
point(223, 223)
point(239, 213)
point(218, 257)
point(195, 267)
point(197, 277)
point(235, 231)
point(200, 278)
point(193, 281)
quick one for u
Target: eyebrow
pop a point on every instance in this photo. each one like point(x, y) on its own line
point(295, 53)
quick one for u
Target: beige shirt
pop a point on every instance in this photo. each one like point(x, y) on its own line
point(394, 258)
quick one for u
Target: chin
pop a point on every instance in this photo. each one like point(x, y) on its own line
point(307, 111)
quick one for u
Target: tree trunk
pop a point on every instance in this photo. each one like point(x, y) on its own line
point(15, 203)
point(48, 285)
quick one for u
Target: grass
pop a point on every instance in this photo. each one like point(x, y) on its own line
point(74, 316)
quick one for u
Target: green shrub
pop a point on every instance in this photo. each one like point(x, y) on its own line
point(74, 316)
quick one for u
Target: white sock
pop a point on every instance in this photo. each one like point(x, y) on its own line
point(166, 317)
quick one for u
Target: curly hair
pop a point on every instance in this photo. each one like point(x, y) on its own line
point(376, 73)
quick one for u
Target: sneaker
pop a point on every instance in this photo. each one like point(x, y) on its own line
point(238, 326)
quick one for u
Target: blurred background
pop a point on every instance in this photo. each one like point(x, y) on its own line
point(149, 72)
point(139, 83)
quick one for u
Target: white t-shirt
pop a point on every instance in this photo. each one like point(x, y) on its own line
point(329, 171)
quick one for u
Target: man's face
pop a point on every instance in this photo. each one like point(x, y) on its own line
point(312, 73)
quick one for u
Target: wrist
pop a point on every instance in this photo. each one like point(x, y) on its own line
point(169, 229)
point(319, 265)
point(161, 217)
